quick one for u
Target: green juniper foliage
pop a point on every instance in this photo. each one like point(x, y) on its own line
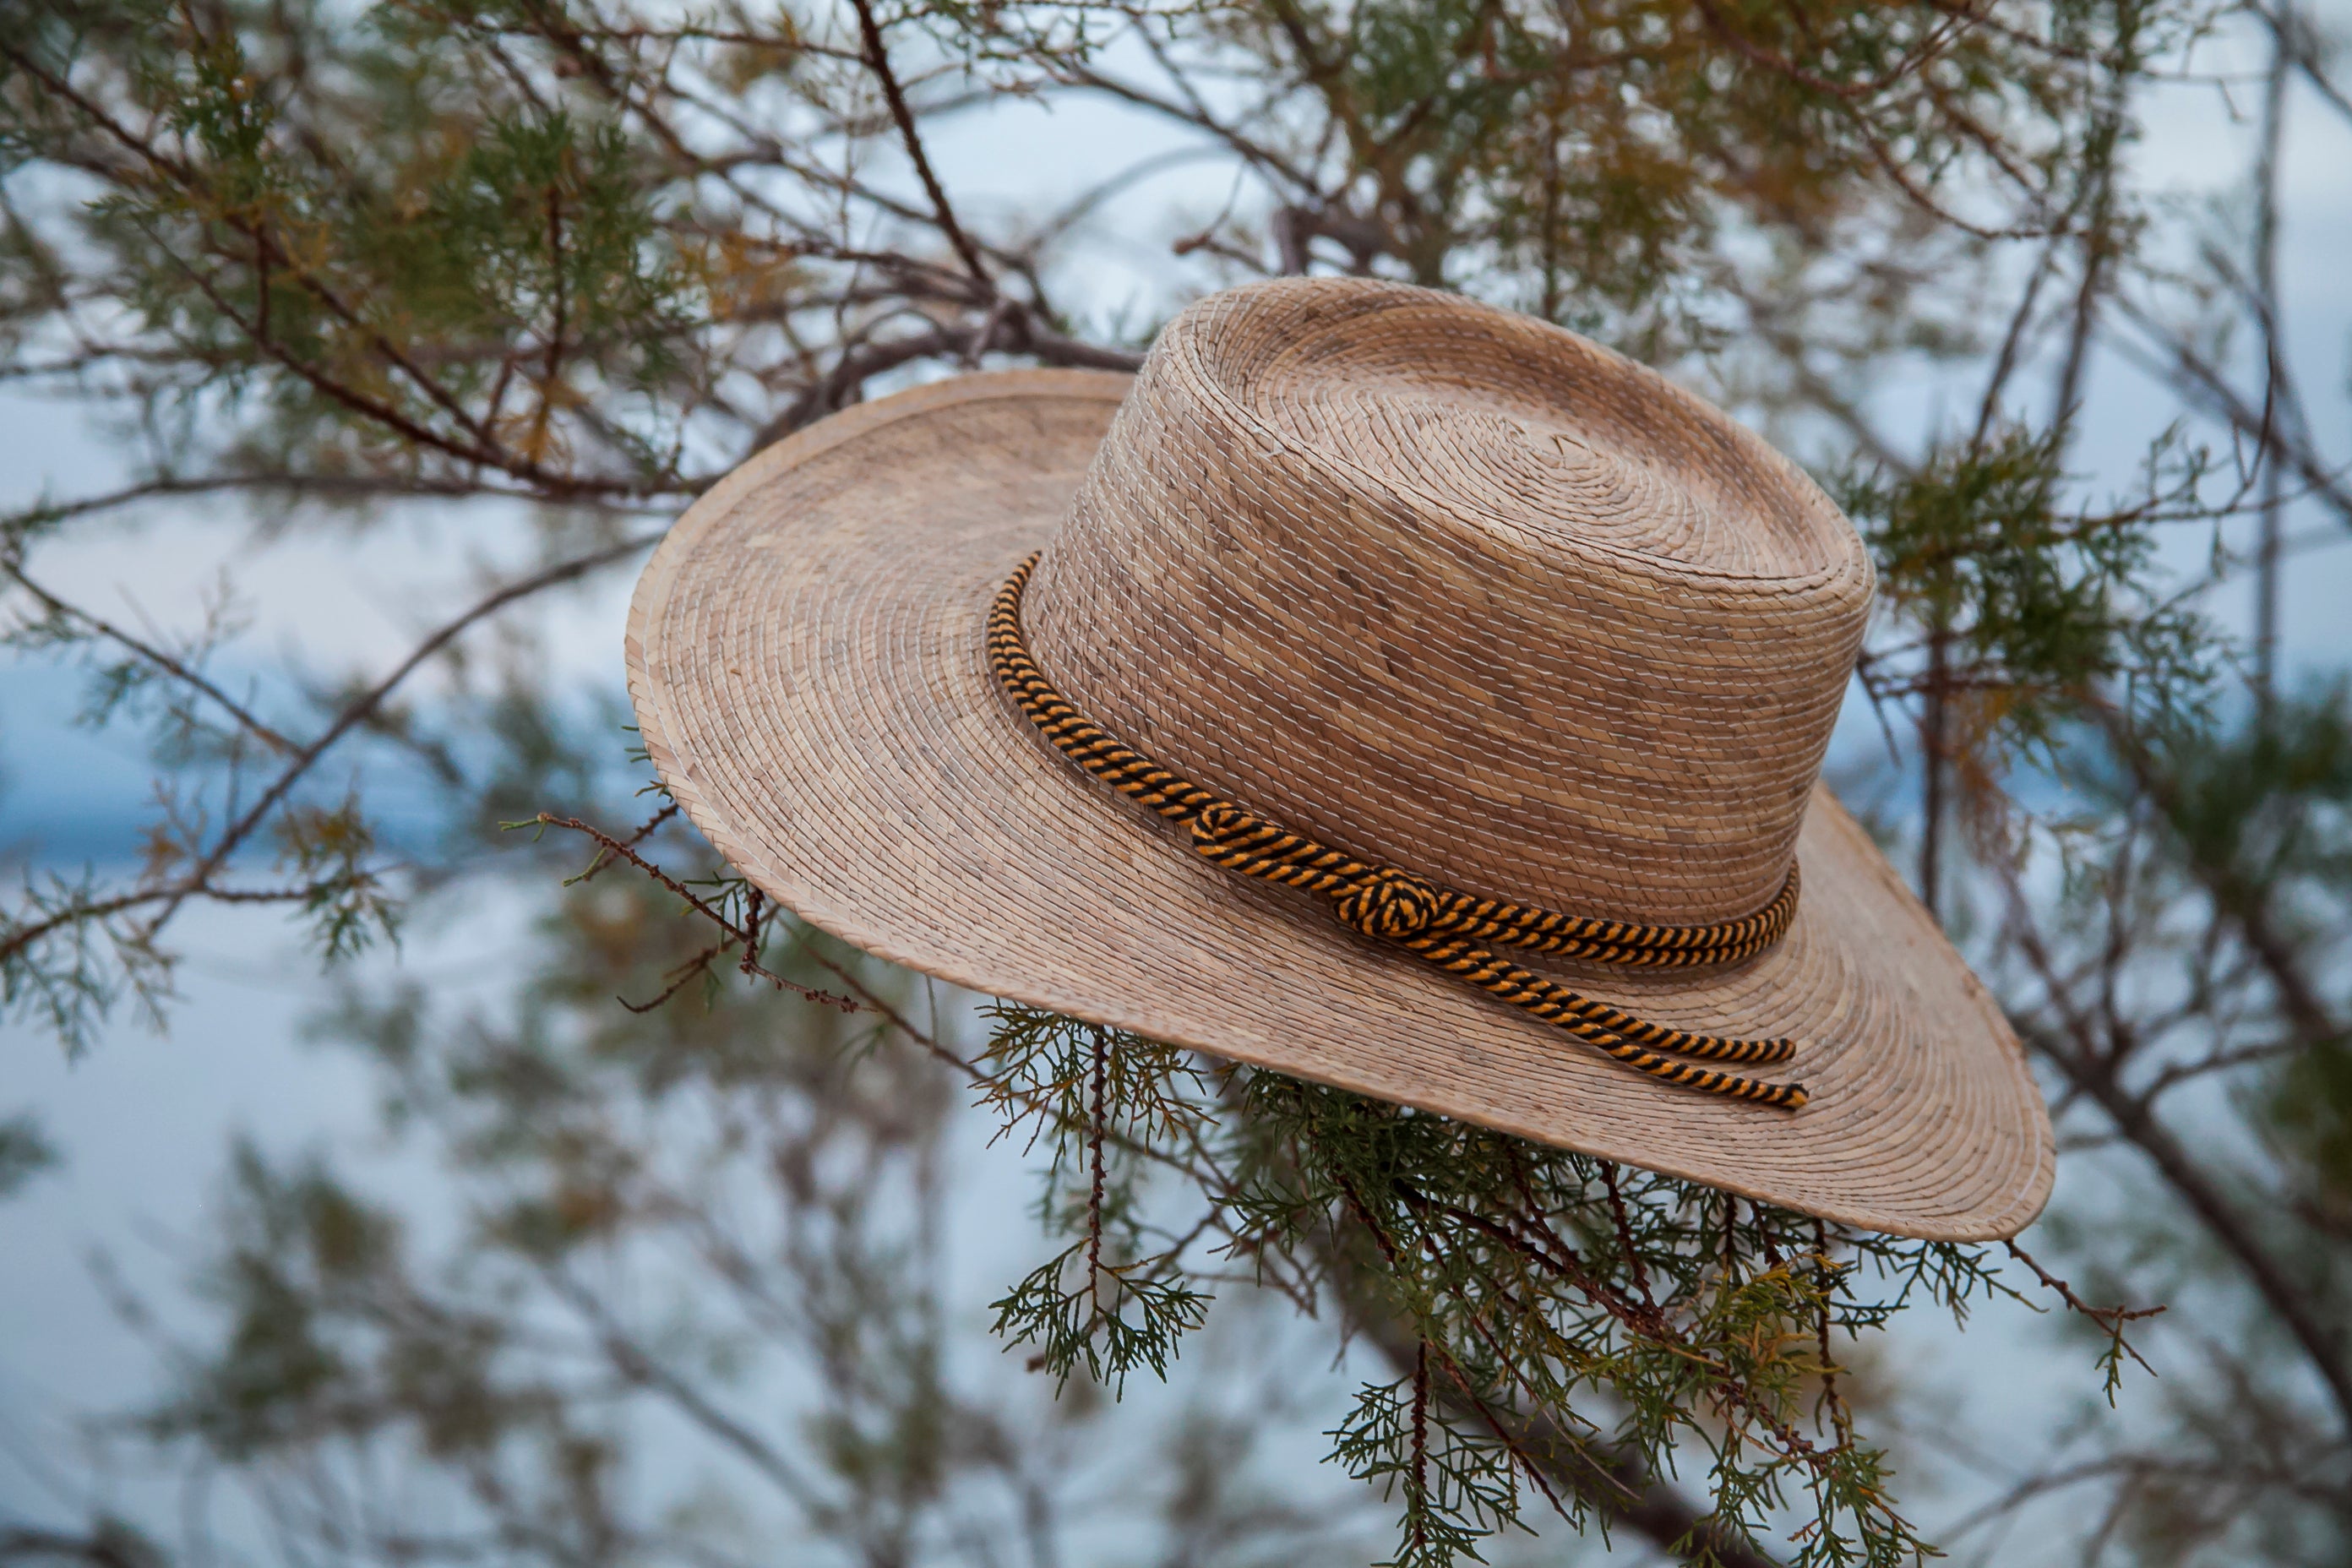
point(1569, 1320)
point(1082, 1087)
point(2041, 606)
point(576, 259)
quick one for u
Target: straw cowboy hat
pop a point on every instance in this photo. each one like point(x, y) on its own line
point(1405, 695)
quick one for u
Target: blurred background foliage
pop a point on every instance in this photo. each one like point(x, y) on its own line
point(699, 1280)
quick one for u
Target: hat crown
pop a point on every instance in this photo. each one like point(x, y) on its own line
point(1456, 590)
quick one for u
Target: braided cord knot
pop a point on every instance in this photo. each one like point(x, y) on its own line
point(1389, 903)
point(1444, 927)
point(1221, 829)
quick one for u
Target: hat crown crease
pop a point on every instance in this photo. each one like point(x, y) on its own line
point(1461, 593)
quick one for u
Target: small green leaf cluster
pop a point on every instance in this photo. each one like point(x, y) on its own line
point(2030, 609)
point(1108, 1300)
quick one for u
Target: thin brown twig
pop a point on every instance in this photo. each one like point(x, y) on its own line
point(1841, 1422)
point(697, 966)
point(752, 915)
point(652, 825)
point(701, 906)
point(1525, 1461)
point(1096, 1111)
point(1625, 1234)
point(2111, 1319)
point(1571, 1268)
point(1513, 1443)
point(1419, 1511)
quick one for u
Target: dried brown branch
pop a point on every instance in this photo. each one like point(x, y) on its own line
point(652, 826)
point(2111, 1319)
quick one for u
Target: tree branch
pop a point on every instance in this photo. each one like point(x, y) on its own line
point(877, 60)
point(1610, 1478)
point(2091, 1074)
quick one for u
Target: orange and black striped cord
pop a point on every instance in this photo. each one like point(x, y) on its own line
point(1450, 930)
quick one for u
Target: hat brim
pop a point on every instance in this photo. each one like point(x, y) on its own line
point(806, 658)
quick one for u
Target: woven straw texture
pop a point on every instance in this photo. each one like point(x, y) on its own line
point(1440, 585)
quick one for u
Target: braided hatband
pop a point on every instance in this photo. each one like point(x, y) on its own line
point(1445, 928)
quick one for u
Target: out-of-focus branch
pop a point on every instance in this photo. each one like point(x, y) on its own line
point(878, 60)
point(99, 1549)
point(2201, 383)
point(172, 665)
point(1197, 115)
point(643, 1367)
point(2075, 1050)
point(2223, 1223)
point(1010, 330)
point(163, 902)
